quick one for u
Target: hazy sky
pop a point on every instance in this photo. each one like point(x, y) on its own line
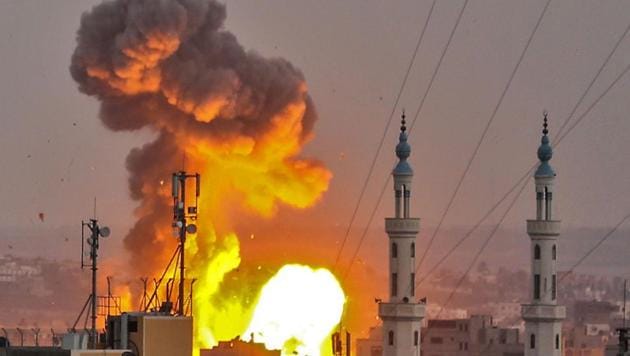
point(56, 155)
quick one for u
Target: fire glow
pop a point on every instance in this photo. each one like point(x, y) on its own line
point(241, 121)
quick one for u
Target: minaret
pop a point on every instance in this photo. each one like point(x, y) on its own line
point(543, 316)
point(401, 314)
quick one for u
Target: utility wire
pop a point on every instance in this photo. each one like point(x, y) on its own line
point(477, 225)
point(483, 136)
point(472, 263)
point(596, 246)
point(486, 242)
point(599, 71)
point(380, 145)
point(439, 65)
point(480, 251)
point(560, 139)
point(433, 76)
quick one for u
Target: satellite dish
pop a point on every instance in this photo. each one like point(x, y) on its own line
point(179, 224)
point(104, 231)
point(90, 241)
point(191, 228)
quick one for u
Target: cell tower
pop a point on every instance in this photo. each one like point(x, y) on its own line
point(96, 232)
point(182, 214)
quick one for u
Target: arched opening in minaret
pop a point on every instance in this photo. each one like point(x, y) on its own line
point(416, 338)
point(553, 287)
point(394, 250)
point(537, 252)
point(394, 290)
point(553, 252)
point(547, 204)
point(532, 341)
point(543, 204)
point(390, 338)
point(557, 342)
point(406, 200)
point(536, 286)
point(398, 203)
point(413, 250)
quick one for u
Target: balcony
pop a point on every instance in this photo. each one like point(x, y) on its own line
point(543, 312)
point(543, 227)
point(401, 311)
point(402, 226)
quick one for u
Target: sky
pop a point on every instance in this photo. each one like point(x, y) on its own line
point(57, 156)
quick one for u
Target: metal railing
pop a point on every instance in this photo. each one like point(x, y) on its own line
point(32, 336)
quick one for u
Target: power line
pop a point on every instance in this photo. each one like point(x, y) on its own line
point(483, 136)
point(480, 251)
point(496, 227)
point(380, 145)
point(599, 71)
point(561, 138)
point(477, 225)
point(577, 122)
point(439, 64)
point(596, 246)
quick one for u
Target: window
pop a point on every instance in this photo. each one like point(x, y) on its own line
point(553, 252)
point(532, 341)
point(394, 284)
point(557, 342)
point(394, 250)
point(536, 286)
point(416, 338)
point(390, 338)
point(553, 287)
point(413, 250)
point(536, 252)
point(413, 284)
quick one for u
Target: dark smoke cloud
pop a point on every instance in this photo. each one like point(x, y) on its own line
point(169, 65)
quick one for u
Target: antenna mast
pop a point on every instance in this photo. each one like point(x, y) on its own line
point(624, 338)
point(181, 214)
point(93, 241)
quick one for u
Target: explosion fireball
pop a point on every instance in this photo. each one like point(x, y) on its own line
point(241, 121)
point(296, 311)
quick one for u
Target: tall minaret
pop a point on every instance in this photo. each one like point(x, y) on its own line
point(402, 315)
point(543, 317)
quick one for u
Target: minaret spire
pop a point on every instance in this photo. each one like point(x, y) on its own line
point(401, 314)
point(403, 128)
point(543, 317)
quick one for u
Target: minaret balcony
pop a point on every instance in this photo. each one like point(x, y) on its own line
point(543, 312)
point(543, 227)
point(402, 226)
point(401, 311)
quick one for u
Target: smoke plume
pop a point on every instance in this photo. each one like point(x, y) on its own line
point(169, 65)
point(235, 117)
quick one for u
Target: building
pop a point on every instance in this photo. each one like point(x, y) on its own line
point(150, 334)
point(474, 336)
point(372, 346)
point(401, 314)
point(237, 347)
point(591, 330)
point(543, 317)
